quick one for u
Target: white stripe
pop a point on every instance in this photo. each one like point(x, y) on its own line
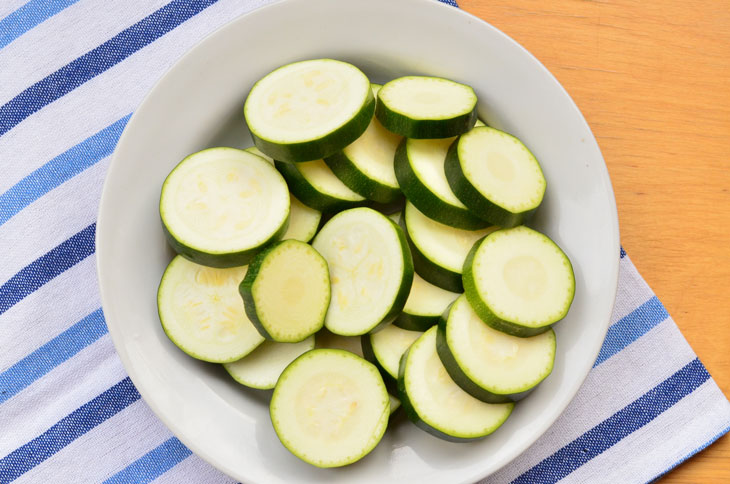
point(9, 6)
point(62, 38)
point(61, 391)
point(609, 388)
point(632, 291)
point(51, 219)
point(688, 424)
point(194, 469)
point(106, 448)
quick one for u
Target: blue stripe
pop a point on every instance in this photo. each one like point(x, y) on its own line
point(61, 168)
point(449, 2)
point(46, 267)
point(612, 430)
point(631, 327)
point(153, 464)
point(68, 429)
point(622, 253)
point(98, 60)
point(28, 16)
point(51, 354)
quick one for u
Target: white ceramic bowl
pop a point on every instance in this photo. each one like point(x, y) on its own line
point(199, 104)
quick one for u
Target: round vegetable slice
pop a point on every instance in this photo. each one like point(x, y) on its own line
point(221, 206)
point(438, 250)
point(201, 311)
point(495, 175)
point(328, 340)
point(492, 366)
point(394, 403)
point(316, 186)
point(370, 268)
point(303, 221)
point(286, 291)
point(425, 305)
point(263, 366)
point(419, 167)
point(422, 107)
point(308, 110)
point(519, 281)
point(330, 407)
point(366, 164)
point(385, 348)
point(436, 404)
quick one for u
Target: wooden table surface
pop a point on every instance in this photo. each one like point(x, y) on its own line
point(653, 81)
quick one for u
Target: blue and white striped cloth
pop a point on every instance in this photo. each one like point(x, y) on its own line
point(71, 73)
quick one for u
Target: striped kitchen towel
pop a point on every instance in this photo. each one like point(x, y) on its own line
point(71, 73)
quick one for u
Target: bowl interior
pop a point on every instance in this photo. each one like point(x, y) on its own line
point(198, 104)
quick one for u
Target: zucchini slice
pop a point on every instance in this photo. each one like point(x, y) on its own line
point(201, 311)
point(370, 267)
point(492, 366)
point(422, 107)
point(436, 404)
point(438, 250)
point(286, 292)
point(419, 167)
point(328, 340)
point(221, 206)
point(303, 221)
point(366, 165)
point(495, 175)
point(424, 306)
point(330, 408)
point(263, 366)
point(394, 403)
point(314, 184)
point(258, 152)
point(385, 348)
point(308, 110)
point(519, 281)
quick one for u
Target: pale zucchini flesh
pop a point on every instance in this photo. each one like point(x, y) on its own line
point(286, 291)
point(202, 313)
point(328, 340)
point(488, 364)
point(309, 110)
point(370, 268)
point(330, 408)
point(519, 281)
point(303, 221)
point(314, 184)
point(424, 306)
point(439, 406)
point(385, 348)
point(221, 206)
point(262, 367)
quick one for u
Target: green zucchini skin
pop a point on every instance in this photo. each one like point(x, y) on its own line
point(326, 145)
point(426, 201)
point(397, 205)
point(358, 182)
point(405, 288)
point(459, 377)
point(424, 128)
point(483, 311)
point(391, 384)
point(475, 201)
point(430, 271)
point(310, 196)
point(413, 416)
point(414, 322)
point(223, 261)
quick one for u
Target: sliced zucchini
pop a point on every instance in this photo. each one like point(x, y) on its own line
point(221, 206)
point(327, 339)
point(330, 407)
point(394, 403)
point(370, 267)
point(519, 281)
point(426, 107)
point(286, 291)
point(425, 305)
point(438, 250)
point(419, 167)
point(492, 366)
point(436, 404)
point(263, 366)
point(495, 175)
point(303, 221)
point(479, 123)
point(201, 311)
point(258, 152)
point(309, 110)
point(314, 184)
point(366, 165)
point(385, 348)
point(395, 217)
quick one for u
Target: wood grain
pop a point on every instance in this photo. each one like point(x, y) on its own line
point(653, 81)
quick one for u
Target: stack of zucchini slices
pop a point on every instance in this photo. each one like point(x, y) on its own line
point(367, 253)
